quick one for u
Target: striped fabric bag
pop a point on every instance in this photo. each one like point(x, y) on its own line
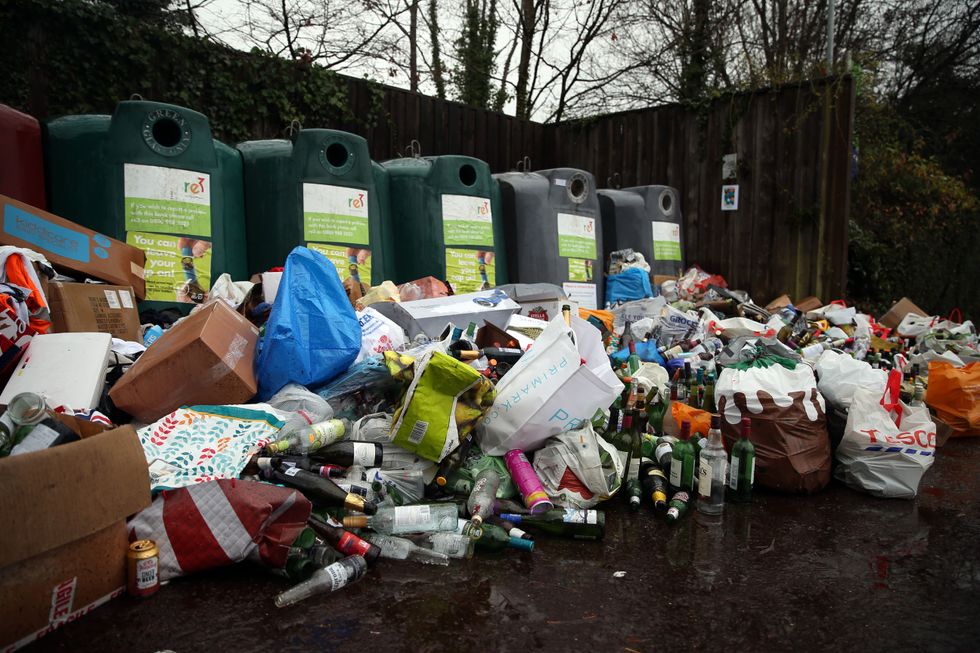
point(219, 523)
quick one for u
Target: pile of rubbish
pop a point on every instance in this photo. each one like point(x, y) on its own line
point(320, 427)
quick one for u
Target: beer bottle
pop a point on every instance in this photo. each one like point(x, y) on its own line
point(634, 492)
point(318, 489)
point(568, 522)
point(654, 484)
point(741, 476)
point(708, 403)
point(633, 362)
point(494, 538)
point(344, 541)
point(329, 579)
point(682, 461)
point(678, 506)
point(451, 463)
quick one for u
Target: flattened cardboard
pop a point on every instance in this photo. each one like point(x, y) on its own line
point(91, 307)
point(897, 313)
point(207, 358)
point(71, 246)
point(780, 302)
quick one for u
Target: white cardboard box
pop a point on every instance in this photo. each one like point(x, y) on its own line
point(67, 369)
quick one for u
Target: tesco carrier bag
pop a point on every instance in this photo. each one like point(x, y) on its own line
point(887, 444)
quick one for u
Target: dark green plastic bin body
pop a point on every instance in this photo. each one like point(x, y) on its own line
point(152, 175)
point(646, 219)
point(446, 218)
point(554, 231)
point(320, 190)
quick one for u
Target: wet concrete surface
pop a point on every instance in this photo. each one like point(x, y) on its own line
point(837, 571)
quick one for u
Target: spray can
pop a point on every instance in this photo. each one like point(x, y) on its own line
point(528, 483)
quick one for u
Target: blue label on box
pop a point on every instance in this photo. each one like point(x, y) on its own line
point(46, 235)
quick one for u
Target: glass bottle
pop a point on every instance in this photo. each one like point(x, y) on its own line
point(712, 471)
point(568, 522)
point(682, 461)
point(741, 475)
point(329, 579)
point(398, 548)
point(423, 518)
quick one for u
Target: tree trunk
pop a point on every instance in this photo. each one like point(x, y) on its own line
point(413, 44)
point(524, 66)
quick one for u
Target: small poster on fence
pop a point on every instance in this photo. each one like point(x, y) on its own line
point(729, 197)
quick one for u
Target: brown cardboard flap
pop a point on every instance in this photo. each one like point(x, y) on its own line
point(53, 497)
point(808, 304)
point(92, 307)
point(780, 302)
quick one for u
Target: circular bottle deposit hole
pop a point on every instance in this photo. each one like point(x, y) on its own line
point(467, 174)
point(666, 202)
point(337, 155)
point(578, 188)
point(166, 132)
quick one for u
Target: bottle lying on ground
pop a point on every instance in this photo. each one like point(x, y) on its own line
point(654, 484)
point(424, 518)
point(329, 579)
point(568, 522)
point(494, 538)
point(483, 497)
point(347, 454)
point(309, 438)
point(321, 491)
point(678, 506)
point(398, 548)
point(343, 540)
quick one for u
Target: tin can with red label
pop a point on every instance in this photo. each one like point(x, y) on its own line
point(143, 567)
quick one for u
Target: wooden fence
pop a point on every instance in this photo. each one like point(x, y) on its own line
point(793, 147)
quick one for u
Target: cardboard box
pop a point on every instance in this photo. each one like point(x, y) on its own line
point(206, 358)
point(67, 369)
point(808, 304)
point(897, 313)
point(434, 314)
point(780, 302)
point(92, 307)
point(71, 246)
point(66, 555)
point(542, 301)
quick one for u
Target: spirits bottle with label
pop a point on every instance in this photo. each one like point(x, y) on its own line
point(398, 548)
point(423, 518)
point(741, 476)
point(329, 579)
point(712, 471)
point(310, 438)
point(568, 522)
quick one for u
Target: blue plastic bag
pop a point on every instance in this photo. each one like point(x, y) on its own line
point(645, 349)
point(312, 334)
point(628, 286)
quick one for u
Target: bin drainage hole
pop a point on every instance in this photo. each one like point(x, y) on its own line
point(467, 174)
point(337, 155)
point(166, 132)
point(577, 188)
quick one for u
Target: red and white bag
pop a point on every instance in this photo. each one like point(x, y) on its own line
point(219, 523)
point(887, 444)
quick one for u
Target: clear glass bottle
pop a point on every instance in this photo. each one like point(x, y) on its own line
point(399, 548)
point(712, 471)
point(329, 579)
point(423, 518)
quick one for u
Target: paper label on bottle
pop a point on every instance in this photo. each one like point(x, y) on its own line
point(666, 241)
point(576, 236)
point(676, 467)
point(733, 473)
point(467, 220)
point(292, 471)
point(575, 516)
point(704, 479)
point(340, 575)
point(364, 453)
point(407, 517)
point(40, 437)
point(167, 200)
point(351, 544)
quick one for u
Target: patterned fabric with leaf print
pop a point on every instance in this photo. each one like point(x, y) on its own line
point(197, 444)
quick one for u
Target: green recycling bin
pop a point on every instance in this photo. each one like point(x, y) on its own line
point(322, 190)
point(446, 221)
point(151, 175)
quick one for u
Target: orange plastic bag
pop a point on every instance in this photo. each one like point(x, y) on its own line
point(606, 317)
point(700, 419)
point(954, 393)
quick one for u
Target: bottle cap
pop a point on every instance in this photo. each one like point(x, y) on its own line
point(746, 425)
point(511, 517)
point(716, 421)
point(477, 521)
point(441, 481)
point(355, 521)
point(521, 544)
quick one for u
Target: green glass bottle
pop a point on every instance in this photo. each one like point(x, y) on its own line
point(634, 492)
point(568, 522)
point(494, 538)
point(741, 473)
point(657, 408)
point(678, 506)
point(709, 394)
point(633, 362)
point(683, 461)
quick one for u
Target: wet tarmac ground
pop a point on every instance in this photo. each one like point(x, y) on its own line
point(837, 571)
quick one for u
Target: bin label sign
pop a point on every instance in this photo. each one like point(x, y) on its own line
point(576, 236)
point(335, 214)
point(467, 221)
point(666, 241)
point(349, 261)
point(582, 293)
point(468, 270)
point(167, 200)
point(580, 269)
point(178, 269)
